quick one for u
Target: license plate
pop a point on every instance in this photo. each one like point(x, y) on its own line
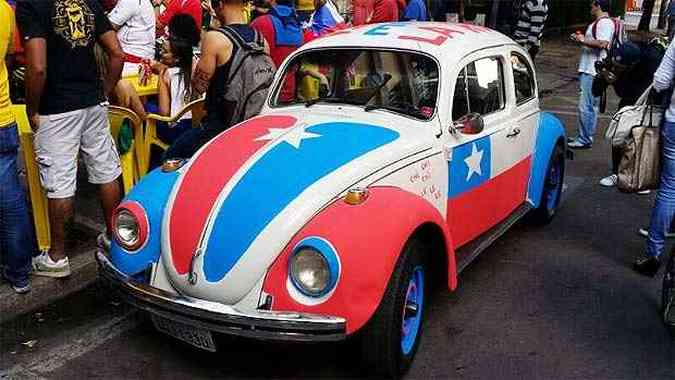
point(197, 337)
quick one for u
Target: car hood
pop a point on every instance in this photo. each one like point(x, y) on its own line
point(244, 195)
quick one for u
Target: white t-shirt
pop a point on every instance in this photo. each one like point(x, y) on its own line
point(136, 19)
point(604, 32)
point(177, 87)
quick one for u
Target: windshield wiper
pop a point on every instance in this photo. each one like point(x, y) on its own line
point(405, 109)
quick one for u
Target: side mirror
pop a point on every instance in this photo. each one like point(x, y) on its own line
point(469, 124)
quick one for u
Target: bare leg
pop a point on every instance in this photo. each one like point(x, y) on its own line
point(60, 213)
point(110, 196)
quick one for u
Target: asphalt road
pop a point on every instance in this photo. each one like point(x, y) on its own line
point(553, 302)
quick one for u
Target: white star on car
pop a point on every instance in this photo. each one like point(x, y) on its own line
point(293, 135)
point(473, 162)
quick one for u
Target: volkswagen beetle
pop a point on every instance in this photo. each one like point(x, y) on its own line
point(386, 158)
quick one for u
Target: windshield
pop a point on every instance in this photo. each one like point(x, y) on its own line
point(402, 82)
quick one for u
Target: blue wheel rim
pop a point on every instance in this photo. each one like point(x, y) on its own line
point(412, 320)
point(553, 185)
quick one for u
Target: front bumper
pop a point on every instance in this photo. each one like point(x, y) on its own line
point(213, 316)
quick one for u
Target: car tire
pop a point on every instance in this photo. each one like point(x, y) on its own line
point(552, 191)
point(391, 337)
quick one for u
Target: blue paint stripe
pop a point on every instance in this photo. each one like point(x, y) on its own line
point(276, 179)
point(152, 193)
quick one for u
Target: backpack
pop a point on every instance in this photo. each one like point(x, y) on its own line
point(250, 76)
point(619, 36)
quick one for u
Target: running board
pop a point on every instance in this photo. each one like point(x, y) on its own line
point(467, 253)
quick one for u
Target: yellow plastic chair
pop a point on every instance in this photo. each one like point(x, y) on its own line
point(151, 138)
point(38, 200)
point(133, 160)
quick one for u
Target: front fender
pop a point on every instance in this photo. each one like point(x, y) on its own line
point(368, 239)
point(152, 193)
point(550, 131)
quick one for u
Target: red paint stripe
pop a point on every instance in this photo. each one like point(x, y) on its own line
point(205, 179)
point(474, 212)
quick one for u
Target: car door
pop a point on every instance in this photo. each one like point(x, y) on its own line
point(485, 184)
point(526, 110)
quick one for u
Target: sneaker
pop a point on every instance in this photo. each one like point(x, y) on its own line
point(647, 265)
point(103, 241)
point(43, 265)
point(609, 181)
point(21, 289)
point(643, 192)
point(644, 232)
point(577, 145)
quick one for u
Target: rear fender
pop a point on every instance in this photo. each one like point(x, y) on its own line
point(549, 133)
point(368, 239)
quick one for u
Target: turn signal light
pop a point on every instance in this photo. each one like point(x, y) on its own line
point(172, 164)
point(356, 196)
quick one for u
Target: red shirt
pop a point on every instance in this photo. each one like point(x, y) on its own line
point(362, 10)
point(264, 25)
point(385, 11)
point(191, 7)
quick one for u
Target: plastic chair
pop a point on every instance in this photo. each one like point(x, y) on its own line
point(132, 161)
point(151, 138)
point(38, 200)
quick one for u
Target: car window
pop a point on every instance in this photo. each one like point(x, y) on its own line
point(401, 82)
point(479, 88)
point(523, 78)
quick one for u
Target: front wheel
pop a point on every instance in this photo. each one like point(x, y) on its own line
point(552, 191)
point(391, 338)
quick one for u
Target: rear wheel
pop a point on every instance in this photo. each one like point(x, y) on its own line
point(552, 191)
point(391, 338)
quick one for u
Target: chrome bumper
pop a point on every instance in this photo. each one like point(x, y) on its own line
point(213, 316)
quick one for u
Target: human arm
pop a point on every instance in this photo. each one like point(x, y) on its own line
point(36, 77)
point(663, 77)
point(108, 41)
point(164, 93)
point(216, 51)
point(605, 32)
point(123, 11)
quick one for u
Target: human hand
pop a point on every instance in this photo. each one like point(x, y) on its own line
point(34, 121)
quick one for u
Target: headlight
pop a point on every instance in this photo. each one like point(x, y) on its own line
point(314, 267)
point(309, 272)
point(130, 226)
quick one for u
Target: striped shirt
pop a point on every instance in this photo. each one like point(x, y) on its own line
point(532, 15)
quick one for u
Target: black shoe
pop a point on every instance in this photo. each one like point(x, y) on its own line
point(647, 265)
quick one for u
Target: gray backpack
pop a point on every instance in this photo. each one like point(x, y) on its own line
point(250, 76)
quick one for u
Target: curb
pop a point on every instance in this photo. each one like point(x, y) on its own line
point(46, 290)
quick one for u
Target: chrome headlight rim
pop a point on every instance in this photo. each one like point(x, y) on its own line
point(330, 261)
point(136, 212)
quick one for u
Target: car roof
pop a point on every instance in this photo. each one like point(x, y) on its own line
point(435, 38)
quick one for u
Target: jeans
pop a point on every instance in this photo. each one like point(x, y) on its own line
point(17, 242)
point(664, 207)
point(588, 118)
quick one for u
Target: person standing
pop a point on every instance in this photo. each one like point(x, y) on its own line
point(664, 207)
point(15, 226)
point(384, 11)
point(362, 11)
point(531, 17)
point(174, 7)
point(594, 44)
point(212, 75)
point(65, 102)
point(416, 10)
point(134, 21)
point(282, 30)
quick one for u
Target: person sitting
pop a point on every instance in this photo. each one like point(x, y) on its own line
point(175, 76)
point(175, 7)
point(134, 21)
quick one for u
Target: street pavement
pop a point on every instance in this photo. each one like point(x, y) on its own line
point(552, 302)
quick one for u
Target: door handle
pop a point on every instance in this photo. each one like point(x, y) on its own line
point(515, 132)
